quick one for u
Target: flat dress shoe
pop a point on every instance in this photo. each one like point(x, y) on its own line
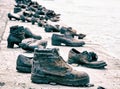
point(87, 59)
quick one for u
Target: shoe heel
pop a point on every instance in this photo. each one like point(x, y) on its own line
point(9, 16)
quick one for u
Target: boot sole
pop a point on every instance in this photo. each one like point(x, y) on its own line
point(51, 79)
point(102, 66)
point(57, 43)
point(23, 69)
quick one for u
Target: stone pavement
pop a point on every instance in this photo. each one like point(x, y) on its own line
point(5, 7)
point(11, 79)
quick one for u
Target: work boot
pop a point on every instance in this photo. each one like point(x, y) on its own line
point(87, 59)
point(30, 44)
point(48, 66)
point(50, 28)
point(13, 16)
point(24, 64)
point(58, 40)
point(16, 36)
point(69, 31)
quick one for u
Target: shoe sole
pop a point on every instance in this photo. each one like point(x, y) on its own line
point(57, 43)
point(102, 66)
point(62, 81)
point(23, 69)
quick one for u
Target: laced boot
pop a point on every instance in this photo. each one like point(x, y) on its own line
point(16, 36)
point(50, 28)
point(24, 64)
point(58, 40)
point(13, 16)
point(48, 66)
point(30, 44)
point(88, 59)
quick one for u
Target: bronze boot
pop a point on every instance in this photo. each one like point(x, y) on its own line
point(58, 40)
point(87, 59)
point(48, 66)
point(16, 36)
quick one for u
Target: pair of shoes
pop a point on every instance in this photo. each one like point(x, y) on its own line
point(18, 33)
point(87, 59)
point(30, 44)
point(69, 31)
point(48, 66)
point(58, 40)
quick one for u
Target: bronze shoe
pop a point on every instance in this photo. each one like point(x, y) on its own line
point(87, 59)
point(48, 66)
point(24, 64)
point(58, 40)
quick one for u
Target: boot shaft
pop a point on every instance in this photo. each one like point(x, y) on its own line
point(17, 31)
